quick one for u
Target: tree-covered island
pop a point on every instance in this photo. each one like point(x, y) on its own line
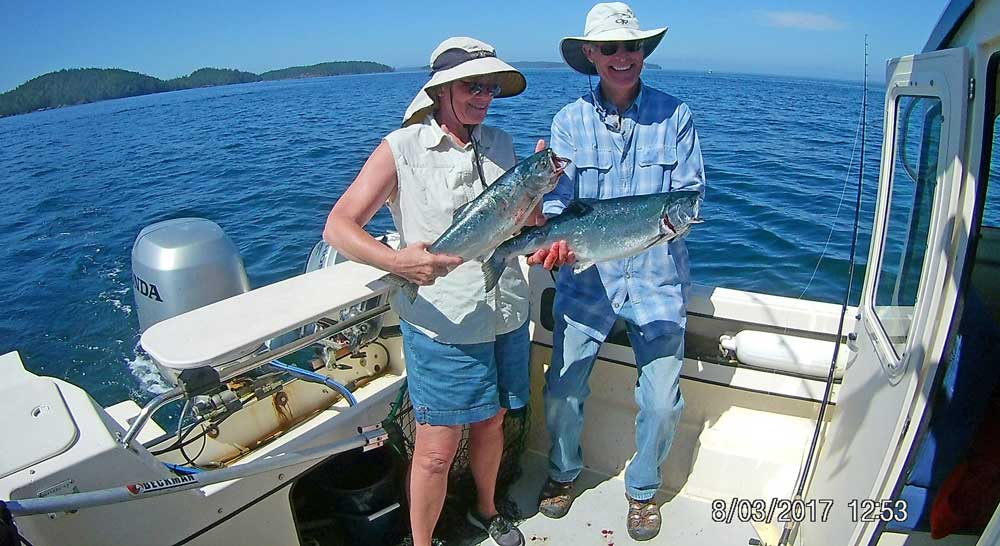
point(83, 85)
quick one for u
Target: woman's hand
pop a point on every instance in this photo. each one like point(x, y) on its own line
point(421, 267)
point(557, 255)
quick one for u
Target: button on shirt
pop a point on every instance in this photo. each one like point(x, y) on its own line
point(654, 148)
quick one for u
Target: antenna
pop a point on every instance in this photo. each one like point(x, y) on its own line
point(789, 527)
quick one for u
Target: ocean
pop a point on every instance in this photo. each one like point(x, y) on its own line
point(266, 161)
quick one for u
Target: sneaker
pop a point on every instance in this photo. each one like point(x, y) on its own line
point(643, 521)
point(555, 499)
point(500, 529)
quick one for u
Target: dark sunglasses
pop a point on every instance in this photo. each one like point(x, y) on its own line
point(477, 88)
point(610, 48)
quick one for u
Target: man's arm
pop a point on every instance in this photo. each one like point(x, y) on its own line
point(555, 201)
point(689, 174)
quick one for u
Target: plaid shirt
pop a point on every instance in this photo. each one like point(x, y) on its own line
point(655, 150)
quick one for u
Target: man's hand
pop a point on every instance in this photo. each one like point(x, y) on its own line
point(421, 267)
point(557, 255)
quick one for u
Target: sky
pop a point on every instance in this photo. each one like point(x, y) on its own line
point(822, 38)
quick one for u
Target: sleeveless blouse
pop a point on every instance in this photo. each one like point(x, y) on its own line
point(435, 176)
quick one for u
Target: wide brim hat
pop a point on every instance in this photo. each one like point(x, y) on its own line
point(458, 59)
point(608, 22)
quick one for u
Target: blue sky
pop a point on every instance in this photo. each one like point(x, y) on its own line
point(170, 39)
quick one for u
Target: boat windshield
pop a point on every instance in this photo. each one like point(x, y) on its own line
point(911, 199)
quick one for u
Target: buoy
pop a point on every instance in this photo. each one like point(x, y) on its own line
point(782, 352)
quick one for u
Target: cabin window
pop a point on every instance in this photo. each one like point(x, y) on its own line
point(986, 269)
point(991, 148)
point(911, 199)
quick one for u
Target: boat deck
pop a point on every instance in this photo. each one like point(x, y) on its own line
point(598, 514)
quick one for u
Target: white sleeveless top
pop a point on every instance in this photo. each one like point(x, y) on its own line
point(434, 177)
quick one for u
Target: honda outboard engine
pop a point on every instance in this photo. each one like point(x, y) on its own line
point(182, 264)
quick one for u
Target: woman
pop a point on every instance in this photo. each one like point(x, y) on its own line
point(466, 350)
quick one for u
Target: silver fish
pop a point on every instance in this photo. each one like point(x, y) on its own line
point(602, 230)
point(480, 225)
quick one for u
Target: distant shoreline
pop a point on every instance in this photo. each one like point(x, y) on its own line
point(70, 87)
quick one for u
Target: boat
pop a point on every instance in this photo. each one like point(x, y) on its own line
point(806, 422)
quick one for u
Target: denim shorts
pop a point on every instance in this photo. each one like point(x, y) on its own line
point(465, 383)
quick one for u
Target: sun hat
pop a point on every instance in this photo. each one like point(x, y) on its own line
point(609, 22)
point(459, 58)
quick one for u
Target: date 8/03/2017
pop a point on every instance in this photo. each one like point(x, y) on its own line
point(777, 510)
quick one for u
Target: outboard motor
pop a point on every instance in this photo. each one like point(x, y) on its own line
point(182, 264)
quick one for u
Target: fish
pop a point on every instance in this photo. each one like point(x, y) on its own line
point(605, 229)
point(479, 226)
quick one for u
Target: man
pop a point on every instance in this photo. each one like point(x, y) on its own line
point(625, 138)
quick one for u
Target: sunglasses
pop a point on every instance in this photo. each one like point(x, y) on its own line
point(478, 88)
point(610, 48)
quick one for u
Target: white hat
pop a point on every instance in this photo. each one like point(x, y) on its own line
point(459, 58)
point(611, 22)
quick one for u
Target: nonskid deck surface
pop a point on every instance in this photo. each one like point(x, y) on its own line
point(597, 517)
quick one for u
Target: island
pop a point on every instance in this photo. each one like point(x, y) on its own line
point(84, 85)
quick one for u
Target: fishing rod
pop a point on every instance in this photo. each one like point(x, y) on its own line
point(790, 526)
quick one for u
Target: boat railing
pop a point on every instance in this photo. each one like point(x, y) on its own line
point(367, 438)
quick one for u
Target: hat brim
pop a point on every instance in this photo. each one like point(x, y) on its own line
point(572, 52)
point(511, 82)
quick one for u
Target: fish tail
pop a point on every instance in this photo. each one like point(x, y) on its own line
point(408, 288)
point(492, 269)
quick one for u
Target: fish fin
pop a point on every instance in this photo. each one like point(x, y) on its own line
point(492, 269)
point(459, 211)
point(408, 288)
point(659, 240)
point(580, 267)
point(579, 207)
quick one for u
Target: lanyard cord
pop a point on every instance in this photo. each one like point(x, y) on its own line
point(476, 159)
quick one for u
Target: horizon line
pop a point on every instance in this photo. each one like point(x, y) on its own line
point(409, 69)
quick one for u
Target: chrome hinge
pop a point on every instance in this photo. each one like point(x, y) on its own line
point(972, 88)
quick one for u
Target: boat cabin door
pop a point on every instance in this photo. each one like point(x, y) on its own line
point(907, 301)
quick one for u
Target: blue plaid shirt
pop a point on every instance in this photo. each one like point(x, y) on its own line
point(655, 150)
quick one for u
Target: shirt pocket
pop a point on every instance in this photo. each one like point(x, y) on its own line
point(438, 194)
point(657, 164)
point(592, 167)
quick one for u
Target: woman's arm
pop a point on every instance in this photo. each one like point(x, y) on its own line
point(374, 185)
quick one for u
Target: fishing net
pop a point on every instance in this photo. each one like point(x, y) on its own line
point(452, 526)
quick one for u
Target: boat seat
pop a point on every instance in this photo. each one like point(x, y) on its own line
point(219, 333)
point(38, 423)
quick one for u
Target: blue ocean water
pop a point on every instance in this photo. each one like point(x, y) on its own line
point(266, 161)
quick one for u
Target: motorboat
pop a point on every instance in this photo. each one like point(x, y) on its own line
point(806, 422)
